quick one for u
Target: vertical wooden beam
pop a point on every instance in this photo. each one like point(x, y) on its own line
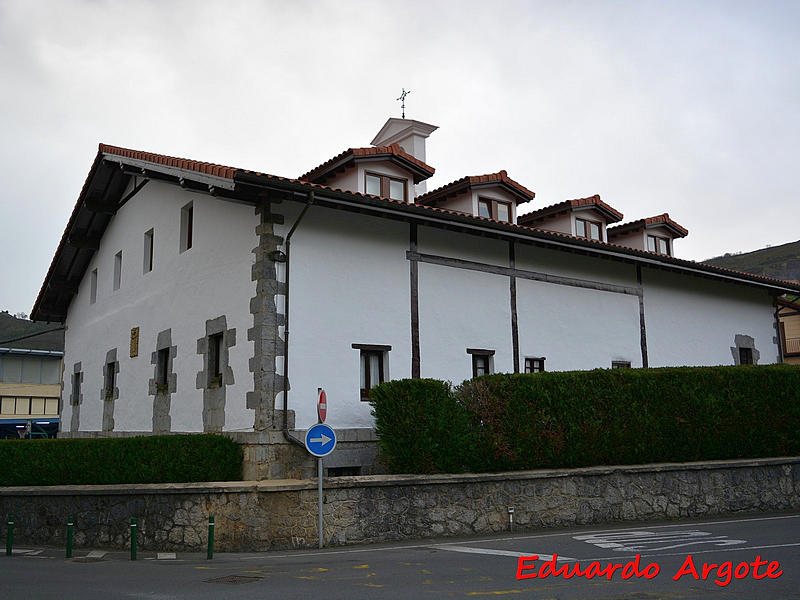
point(513, 294)
point(414, 272)
point(642, 326)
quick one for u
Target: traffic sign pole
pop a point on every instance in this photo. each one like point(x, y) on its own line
point(319, 498)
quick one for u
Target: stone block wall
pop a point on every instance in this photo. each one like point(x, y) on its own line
point(268, 515)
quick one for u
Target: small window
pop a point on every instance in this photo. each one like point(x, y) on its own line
point(117, 270)
point(481, 361)
point(215, 360)
point(162, 367)
point(371, 371)
point(503, 212)
point(93, 287)
point(147, 264)
point(397, 189)
point(591, 230)
point(111, 376)
point(620, 364)
point(745, 356)
point(494, 209)
point(534, 365)
point(373, 360)
point(658, 245)
point(187, 226)
point(385, 186)
point(76, 387)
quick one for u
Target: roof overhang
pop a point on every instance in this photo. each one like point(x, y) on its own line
point(111, 174)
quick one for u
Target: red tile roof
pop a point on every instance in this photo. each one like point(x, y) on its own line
point(461, 185)
point(241, 174)
point(392, 152)
point(611, 213)
point(662, 219)
point(171, 161)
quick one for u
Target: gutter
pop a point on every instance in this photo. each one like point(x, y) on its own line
point(340, 199)
point(287, 246)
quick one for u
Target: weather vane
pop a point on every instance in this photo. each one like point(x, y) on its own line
point(403, 98)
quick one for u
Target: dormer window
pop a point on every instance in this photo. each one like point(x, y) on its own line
point(494, 209)
point(385, 186)
point(591, 230)
point(659, 245)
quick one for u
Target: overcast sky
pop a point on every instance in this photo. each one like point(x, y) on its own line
point(689, 108)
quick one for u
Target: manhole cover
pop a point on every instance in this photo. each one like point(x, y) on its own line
point(234, 579)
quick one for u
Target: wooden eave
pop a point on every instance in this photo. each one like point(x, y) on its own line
point(111, 174)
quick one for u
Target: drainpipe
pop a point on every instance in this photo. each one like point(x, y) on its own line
point(287, 246)
point(778, 330)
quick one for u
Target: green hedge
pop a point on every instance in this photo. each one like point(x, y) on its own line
point(148, 459)
point(572, 419)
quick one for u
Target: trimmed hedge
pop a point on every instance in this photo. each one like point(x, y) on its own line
point(584, 418)
point(147, 459)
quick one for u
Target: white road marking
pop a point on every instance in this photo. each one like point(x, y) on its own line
point(693, 524)
point(635, 541)
point(96, 554)
point(267, 555)
point(617, 558)
point(472, 550)
point(166, 556)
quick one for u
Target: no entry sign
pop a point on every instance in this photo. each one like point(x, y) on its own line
point(322, 405)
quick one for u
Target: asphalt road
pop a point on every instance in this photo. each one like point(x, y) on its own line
point(484, 567)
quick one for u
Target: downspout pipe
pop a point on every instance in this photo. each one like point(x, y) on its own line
point(779, 332)
point(287, 248)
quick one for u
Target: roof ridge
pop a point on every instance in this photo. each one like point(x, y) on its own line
point(393, 149)
point(171, 161)
point(500, 176)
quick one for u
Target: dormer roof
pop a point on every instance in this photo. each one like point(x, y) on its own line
point(662, 220)
point(611, 214)
point(393, 152)
point(459, 186)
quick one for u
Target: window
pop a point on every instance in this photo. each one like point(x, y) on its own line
point(117, 270)
point(93, 287)
point(745, 356)
point(534, 365)
point(481, 361)
point(620, 364)
point(162, 369)
point(494, 209)
point(215, 360)
point(111, 375)
point(187, 227)
point(591, 230)
point(373, 360)
point(658, 244)
point(383, 185)
point(147, 264)
point(76, 387)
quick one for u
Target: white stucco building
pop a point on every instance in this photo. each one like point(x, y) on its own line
point(188, 288)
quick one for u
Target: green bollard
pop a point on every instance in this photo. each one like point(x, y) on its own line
point(10, 535)
point(210, 538)
point(70, 525)
point(133, 538)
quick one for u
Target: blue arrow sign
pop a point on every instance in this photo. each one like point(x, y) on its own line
point(320, 440)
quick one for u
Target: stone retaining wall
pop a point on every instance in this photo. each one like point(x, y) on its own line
point(268, 515)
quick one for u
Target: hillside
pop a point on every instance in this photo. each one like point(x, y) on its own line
point(51, 335)
point(782, 262)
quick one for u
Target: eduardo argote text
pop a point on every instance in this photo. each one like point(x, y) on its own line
point(722, 574)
